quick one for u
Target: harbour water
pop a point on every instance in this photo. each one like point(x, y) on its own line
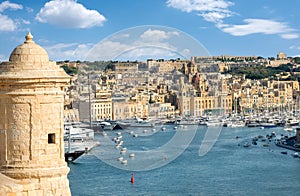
point(228, 168)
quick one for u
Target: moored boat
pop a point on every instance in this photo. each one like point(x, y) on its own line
point(72, 156)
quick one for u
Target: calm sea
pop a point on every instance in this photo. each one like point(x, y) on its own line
point(228, 168)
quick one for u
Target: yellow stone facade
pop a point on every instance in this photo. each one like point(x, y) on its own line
point(31, 124)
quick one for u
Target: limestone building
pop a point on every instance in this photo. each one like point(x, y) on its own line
point(31, 124)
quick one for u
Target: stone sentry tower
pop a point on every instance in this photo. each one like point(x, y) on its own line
point(31, 123)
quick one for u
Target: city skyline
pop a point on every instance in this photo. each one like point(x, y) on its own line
point(68, 29)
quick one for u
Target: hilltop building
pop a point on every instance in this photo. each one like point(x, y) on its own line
point(163, 66)
point(281, 56)
point(281, 59)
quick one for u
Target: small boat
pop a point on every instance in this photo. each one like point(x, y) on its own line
point(266, 145)
point(247, 144)
point(214, 123)
point(288, 129)
point(163, 128)
point(124, 162)
point(107, 125)
point(253, 124)
point(267, 125)
point(123, 150)
point(78, 133)
point(72, 156)
point(135, 122)
point(296, 155)
point(131, 155)
point(293, 122)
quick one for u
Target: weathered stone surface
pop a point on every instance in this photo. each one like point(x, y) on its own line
point(31, 107)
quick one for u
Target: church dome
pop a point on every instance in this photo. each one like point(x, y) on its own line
point(29, 52)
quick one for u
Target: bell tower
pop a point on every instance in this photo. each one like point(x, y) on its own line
point(31, 122)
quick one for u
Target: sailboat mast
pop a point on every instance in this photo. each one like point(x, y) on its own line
point(90, 112)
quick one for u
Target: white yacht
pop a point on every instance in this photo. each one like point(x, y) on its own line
point(78, 133)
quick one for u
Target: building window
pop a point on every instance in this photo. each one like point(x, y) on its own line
point(51, 138)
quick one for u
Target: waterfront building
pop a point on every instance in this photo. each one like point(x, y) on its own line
point(101, 105)
point(161, 110)
point(122, 109)
point(31, 123)
point(266, 95)
point(194, 87)
point(217, 105)
point(101, 108)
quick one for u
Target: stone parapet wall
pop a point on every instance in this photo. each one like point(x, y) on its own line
point(55, 186)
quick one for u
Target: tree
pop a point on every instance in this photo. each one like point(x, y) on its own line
point(70, 70)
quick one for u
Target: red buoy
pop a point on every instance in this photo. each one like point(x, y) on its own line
point(132, 178)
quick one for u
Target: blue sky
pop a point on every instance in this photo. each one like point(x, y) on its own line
point(70, 30)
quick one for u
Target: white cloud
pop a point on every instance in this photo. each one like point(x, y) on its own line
point(289, 36)
point(146, 53)
point(263, 26)
point(69, 14)
point(137, 43)
point(157, 35)
point(22, 21)
point(216, 11)
point(294, 47)
point(199, 5)
point(29, 9)
point(215, 17)
point(151, 43)
point(107, 50)
point(120, 36)
point(186, 52)
point(68, 51)
point(6, 23)
point(210, 10)
point(7, 5)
